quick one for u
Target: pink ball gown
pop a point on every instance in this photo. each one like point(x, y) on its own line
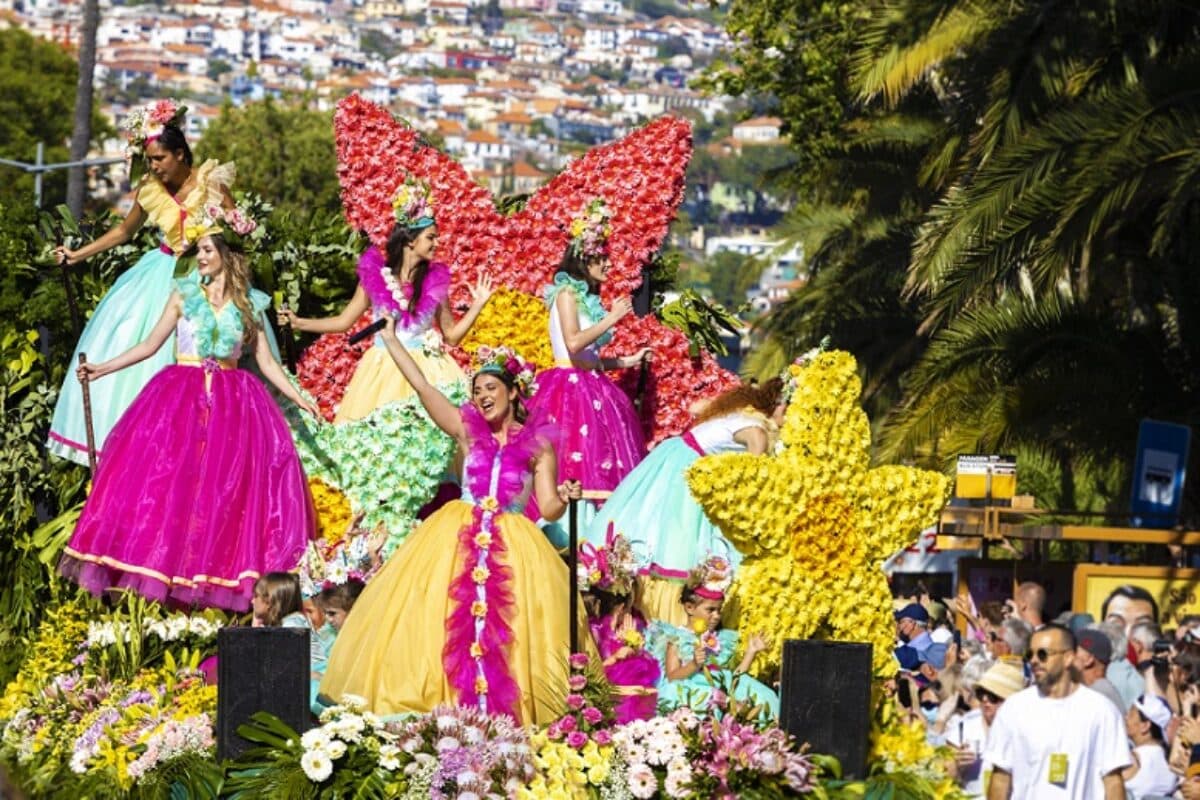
point(199, 491)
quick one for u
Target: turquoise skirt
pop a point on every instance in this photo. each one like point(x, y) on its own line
point(654, 508)
point(125, 316)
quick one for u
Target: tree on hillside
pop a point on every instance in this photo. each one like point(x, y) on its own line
point(81, 130)
point(37, 90)
point(283, 152)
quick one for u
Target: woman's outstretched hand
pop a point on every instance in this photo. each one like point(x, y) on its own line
point(482, 291)
point(63, 255)
point(90, 372)
point(644, 355)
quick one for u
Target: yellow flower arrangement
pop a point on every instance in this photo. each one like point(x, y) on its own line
point(515, 320)
point(57, 642)
point(564, 772)
point(333, 511)
point(815, 521)
point(904, 747)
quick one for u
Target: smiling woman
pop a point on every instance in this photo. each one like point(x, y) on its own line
point(219, 498)
point(483, 592)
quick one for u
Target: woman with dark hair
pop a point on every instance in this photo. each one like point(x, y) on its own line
point(170, 194)
point(601, 437)
point(1149, 775)
point(200, 491)
point(654, 506)
point(379, 413)
point(471, 608)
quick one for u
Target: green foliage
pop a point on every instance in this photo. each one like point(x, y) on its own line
point(284, 151)
point(700, 320)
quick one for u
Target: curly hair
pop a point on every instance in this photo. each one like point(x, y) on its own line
point(763, 398)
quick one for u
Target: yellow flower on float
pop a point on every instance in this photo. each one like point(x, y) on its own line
point(815, 521)
point(515, 320)
point(333, 511)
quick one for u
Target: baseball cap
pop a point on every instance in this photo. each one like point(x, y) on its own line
point(1097, 643)
point(913, 611)
point(1155, 709)
point(908, 657)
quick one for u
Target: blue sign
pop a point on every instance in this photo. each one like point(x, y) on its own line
point(1159, 472)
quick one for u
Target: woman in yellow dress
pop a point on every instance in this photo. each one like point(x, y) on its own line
point(170, 193)
point(472, 609)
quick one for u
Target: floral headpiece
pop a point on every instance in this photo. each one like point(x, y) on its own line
point(612, 567)
point(711, 578)
point(146, 123)
point(495, 360)
point(591, 229)
point(234, 225)
point(412, 205)
point(791, 375)
point(348, 562)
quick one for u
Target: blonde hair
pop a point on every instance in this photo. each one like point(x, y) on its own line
point(283, 596)
point(237, 279)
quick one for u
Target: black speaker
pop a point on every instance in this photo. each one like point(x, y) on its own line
point(825, 699)
point(260, 669)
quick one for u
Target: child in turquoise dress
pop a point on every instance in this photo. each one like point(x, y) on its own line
point(697, 660)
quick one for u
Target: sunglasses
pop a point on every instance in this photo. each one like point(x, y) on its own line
point(1042, 654)
point(984, 696)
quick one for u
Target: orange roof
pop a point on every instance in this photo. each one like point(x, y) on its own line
point(483, 137)
point(449, 127)
point(523, 169)
point(514, 117)
point(760, 122)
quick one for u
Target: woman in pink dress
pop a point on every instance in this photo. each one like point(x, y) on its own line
point(199, 491)
point(601, 435)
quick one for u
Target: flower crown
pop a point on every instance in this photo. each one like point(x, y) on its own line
point(234, 225)
point(347, 562)
point(612, 567)
point(591, 229)
point(791, 375)
point(710, 578)
point(146, 123)
point(495, 360)
point(412, 204)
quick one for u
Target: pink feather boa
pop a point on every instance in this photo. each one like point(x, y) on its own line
point(434, 290)
point(475, 658)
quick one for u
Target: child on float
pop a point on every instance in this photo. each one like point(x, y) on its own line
point(618, 627)
point(199, 491)
point(334, 601)
point(601, 436)
point(698, 660)
point(406, 283)
point(472, 608)
point(655, 505)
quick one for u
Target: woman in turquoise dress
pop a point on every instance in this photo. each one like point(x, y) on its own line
point(171, 193)
point(697, 660)
point(654, 507)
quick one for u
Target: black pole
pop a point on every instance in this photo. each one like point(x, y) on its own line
point(573, 565)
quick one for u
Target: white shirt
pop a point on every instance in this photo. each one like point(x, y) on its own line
point(1153, 777)
point(716, 435)
point(1032, 734)
point(968, 729)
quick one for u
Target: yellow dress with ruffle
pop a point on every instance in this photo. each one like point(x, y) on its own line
point(128, 313)
point(377, 382)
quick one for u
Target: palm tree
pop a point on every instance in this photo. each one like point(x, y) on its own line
point(81, 134)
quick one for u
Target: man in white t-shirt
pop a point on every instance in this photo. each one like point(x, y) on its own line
point(1058, 738)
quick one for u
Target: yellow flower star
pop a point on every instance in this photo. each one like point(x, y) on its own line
point(814, 522)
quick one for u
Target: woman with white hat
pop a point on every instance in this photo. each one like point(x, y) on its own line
point(1146, 722)
point(1001, 680)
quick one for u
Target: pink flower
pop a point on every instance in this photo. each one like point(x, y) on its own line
point(592, 715)
point(577, 739)
point(575, 701)
point(579, 660)
point(554, 731)
point(602, 738)
point(567, 724)
point(577, 682)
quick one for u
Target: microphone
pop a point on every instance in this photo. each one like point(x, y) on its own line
point(370, 330)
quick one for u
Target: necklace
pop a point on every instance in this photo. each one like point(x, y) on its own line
point(401, 291)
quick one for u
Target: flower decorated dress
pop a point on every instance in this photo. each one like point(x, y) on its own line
point(697, 691)
point(601, 436)
point(129, 311)
point(472, 609)
point(200, 490)
point(383, 452)
point(634, 678)
point(654, 507)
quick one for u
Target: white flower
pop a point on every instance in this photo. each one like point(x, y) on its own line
point(772, 52)
point(676, 784)
point(573, 378)
point(335, 749)
point(316, 765)
point(447, 743)
point(642, 782)
point(473, 735)
point(634, 753)
point(389, 757)
point(315, 739)
point(354, 703)
point(577, 456)
point(596, 404)
point(447, 722)
point(583, 429)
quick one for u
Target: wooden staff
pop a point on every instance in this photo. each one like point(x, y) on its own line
point(87, 414)
point(573, 565)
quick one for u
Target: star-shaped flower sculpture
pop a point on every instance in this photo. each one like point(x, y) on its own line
point(814, 522)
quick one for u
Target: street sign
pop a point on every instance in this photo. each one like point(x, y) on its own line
point(1159, 473)
point(985, 477)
